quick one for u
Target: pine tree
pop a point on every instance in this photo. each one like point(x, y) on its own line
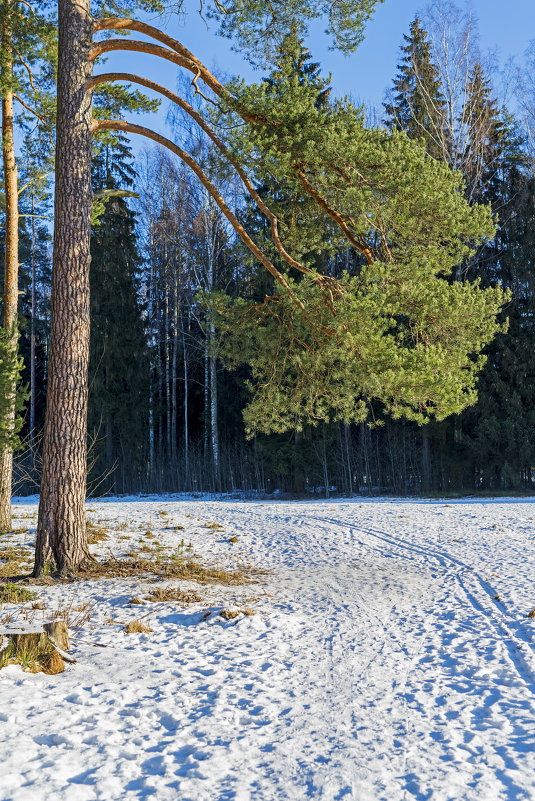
point(398, 208)
point(416, 103)
point(27, 43)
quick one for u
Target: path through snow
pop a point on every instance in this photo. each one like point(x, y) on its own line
point(379, 665)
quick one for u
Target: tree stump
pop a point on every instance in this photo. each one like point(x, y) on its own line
point(37, 650)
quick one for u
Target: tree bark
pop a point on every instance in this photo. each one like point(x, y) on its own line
point(61, 530)
point(11, 269)
point(32, 335)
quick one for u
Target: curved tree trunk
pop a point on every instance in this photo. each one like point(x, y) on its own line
point(11, 285)
point(61, 531)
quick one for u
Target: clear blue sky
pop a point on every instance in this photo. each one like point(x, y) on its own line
point(505, 28)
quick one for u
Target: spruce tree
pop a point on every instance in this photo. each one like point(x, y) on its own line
point(118, 365)
point(416, 103)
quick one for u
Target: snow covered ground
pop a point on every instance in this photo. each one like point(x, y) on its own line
point(391, 657)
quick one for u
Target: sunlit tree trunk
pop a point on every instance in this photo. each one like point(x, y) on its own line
point(61, 531)
point(11, 263)
point(32, 334)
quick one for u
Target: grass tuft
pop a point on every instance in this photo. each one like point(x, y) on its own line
point(164, 594)
point(95, 533)
point(137, 627)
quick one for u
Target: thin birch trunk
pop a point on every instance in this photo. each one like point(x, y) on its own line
point(214, 429)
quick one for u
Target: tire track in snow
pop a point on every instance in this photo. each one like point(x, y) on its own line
point(518, 642)
point(441, 645)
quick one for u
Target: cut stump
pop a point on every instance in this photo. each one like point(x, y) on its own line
point(37, 650)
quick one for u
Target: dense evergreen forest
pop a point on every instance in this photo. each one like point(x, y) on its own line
point(166, 398)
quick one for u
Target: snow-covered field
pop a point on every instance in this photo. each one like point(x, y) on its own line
point(391, 657)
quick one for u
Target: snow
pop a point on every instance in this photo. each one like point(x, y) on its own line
point(379, 664)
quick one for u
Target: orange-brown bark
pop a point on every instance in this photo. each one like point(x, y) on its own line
point(61, 530)
point(338, 218)
point(175, 52)
point(11, 262)
point(118, 76)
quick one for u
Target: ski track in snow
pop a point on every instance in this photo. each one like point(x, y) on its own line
point(379, 665)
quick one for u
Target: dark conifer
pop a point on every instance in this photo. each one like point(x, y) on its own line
point(416, 103)
point(118, 366)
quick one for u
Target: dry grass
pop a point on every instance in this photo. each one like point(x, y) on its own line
point(136, 601)
point(189, 570)
point(165, 594)
point(137, 627)
point(12, 560)
point(229, 614)
point(95, 533)
point(214, 526)
point(34, 653)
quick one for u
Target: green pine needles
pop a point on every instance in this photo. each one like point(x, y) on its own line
point(11, 366)
point(393, 325)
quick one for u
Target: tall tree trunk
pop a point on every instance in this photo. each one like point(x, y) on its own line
point(151, 380)
point(214, 429)
point(173, 373)
point(186, 410)
point(32, 335)
point(11, 285)
point(426, 462)
point(167, 345)
point(61, 530)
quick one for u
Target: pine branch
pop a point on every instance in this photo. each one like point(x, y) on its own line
point(121, 125)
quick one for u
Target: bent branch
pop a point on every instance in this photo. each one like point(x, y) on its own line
point(175, 52)
point(362, 247)
point(174, 98)
point(121, 125)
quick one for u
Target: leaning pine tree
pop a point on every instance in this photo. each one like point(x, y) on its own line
point(395, 330)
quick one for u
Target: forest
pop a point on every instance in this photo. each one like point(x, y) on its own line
point(266, 409)
point(176, 296)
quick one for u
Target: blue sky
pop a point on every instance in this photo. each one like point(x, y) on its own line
point(505, 28)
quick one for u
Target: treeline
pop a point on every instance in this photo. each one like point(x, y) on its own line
point(165, 413)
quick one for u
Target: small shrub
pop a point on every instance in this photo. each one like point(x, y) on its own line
point(13, 594)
